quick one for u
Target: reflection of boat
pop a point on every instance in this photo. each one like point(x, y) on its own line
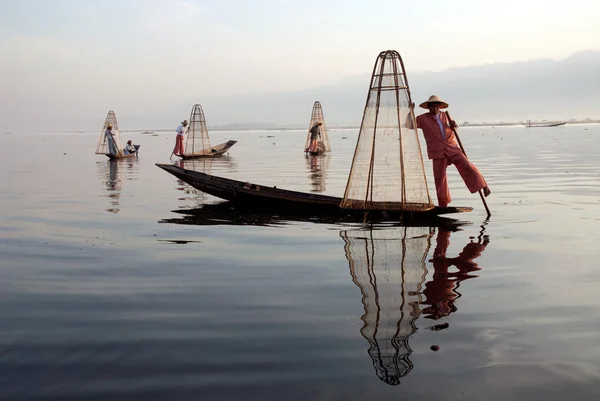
point(389, 266)
point(247, 195)
point(102, 147)
point(317, 167)
point(197, 143)
point(226, 213)
point(322, 145)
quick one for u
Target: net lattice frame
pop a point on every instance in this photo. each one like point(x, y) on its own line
point(389, 268)
point(197, 140)
point(317, 116)
point(102, 145)
point(387, 171)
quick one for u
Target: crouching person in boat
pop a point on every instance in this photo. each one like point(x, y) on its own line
point(129, 149)
point(109, 136)
point(315, 132)
point(443, 150)
point(181, 131)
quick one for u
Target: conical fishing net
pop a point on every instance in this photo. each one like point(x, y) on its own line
point(102, 145)
point(387, 170)
point(317, 117)
point(197, 136)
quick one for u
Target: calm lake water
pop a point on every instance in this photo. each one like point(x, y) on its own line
point(116, 285)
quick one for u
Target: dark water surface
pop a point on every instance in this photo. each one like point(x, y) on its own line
point(115, 286)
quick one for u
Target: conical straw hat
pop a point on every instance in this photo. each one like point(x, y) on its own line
point(434, 99)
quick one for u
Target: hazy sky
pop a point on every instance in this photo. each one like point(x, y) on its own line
point(66, 62)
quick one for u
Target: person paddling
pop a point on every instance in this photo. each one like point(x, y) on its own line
point(181, 131)
point(443, 149)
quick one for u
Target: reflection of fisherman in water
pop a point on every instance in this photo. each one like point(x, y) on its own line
point(441, 290)
point(389, 268)
point(113, 185)
point(317, 166)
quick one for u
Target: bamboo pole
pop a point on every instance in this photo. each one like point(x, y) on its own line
point(465, 153)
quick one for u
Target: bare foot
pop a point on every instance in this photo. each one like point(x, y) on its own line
point(486, 191)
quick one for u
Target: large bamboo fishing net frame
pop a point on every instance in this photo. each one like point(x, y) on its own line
point(389, 268)
point(387, 171)
point(102, 145)
point(197, 135)
point(315, 117)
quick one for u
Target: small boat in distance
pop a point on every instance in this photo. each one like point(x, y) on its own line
point(543, 124)
point(102, 147)
point(197, 143)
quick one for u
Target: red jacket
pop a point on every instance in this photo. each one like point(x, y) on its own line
point(437, 147)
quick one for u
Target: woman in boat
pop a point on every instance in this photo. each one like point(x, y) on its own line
point(129, 148)
point(181, 131)
point(315, 132)
point(109, 136)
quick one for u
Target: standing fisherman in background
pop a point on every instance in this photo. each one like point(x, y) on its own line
point(315, 132)
point(109, 136)
point(444, 150)
point(181, 131)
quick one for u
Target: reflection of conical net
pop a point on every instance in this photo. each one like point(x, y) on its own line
point(387, 170)
point(389, 268)
point(102, 145)
point(315, 117)
point(197, 136)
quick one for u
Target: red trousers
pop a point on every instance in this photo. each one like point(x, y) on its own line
point(178, 145)
point(467, 170)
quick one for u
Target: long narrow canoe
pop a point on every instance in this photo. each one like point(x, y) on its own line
point(247, 195)
point(213, 151)
point(124, 156)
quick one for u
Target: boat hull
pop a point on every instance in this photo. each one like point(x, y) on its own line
point(245, 195)
point(115, 157)
point(213, 151)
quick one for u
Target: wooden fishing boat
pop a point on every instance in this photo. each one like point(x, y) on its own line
point(197, 143)
point(124, 156)
point(245, 195)
point(538, 125)
point(323, 144)
point(387, 178)
point(103, 145)
point(214, 151)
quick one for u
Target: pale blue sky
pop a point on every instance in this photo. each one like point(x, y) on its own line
point(84, 57)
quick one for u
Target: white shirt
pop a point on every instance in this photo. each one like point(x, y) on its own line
point(181, 130)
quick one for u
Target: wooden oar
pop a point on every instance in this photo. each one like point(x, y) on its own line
point(465, 153)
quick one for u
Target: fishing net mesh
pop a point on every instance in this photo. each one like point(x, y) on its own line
point(197, 135)
point(387, 170)
point(389, 268)
point(317, 117)
point(102, 145)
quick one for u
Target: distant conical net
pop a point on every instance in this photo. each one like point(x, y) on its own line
point(197, 134)
point(387, 170)
point(389, 268)
point(102, 145)
point(317, 117)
